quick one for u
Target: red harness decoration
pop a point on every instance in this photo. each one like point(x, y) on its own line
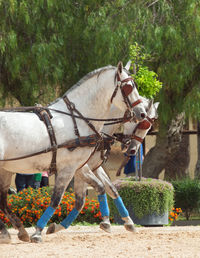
point(144, 125)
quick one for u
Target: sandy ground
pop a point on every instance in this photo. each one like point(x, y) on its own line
point(84, 241)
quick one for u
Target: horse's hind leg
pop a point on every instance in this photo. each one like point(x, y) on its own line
point(4, 236)
point(5, 180)
point(113, 193)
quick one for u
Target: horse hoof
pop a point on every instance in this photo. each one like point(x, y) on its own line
point(51, 229)
point(24, 236)
point(36, 238)
point(130, 227)
point(105, 226)
point(5, 238)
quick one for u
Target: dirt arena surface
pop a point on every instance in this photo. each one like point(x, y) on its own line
point(85, 241)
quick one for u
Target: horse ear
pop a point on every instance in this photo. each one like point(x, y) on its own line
point(156, 105)
point(150, 104)
point(120, 67)
point(128, 65)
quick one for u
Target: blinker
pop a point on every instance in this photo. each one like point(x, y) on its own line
point(127, 89)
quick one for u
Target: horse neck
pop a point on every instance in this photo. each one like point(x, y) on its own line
point(113, 113)
point(92, 97)
point(129, 127)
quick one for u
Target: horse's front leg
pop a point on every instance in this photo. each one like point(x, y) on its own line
point(113, 193)
point(80, 188)
point(89, 177)
point(62, 180)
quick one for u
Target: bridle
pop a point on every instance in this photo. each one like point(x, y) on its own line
point(143, 125)
point(126, 90)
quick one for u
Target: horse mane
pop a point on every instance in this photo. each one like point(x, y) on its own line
point(89, 76)
point(85, 78)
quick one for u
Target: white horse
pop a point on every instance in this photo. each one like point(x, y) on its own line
point(23, 134)
point(99, 179)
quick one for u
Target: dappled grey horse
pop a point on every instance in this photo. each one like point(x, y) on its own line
point(134, 133)
point(25, 146)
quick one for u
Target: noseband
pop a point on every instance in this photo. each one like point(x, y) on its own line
point(126, 89)
point(144, 125)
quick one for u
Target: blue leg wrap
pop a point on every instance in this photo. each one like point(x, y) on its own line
point(103, 204)
point(70, 218)
point(45, 217)
point(121, 208)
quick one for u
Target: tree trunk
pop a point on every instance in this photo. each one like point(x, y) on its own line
point(154, 161)
point(197, 170)
point(167, 144)
point(177, 164)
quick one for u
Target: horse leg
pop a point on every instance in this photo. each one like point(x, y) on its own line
point(4, 236)
point(89, 177)
point(62, 180)
point(5, 181)
point(113, 193)
point(80, 188)
point(83, 177)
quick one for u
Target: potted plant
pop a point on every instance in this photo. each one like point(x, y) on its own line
point(148, 201)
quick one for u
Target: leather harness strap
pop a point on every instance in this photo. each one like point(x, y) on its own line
point(73, 109)
point(46, 118)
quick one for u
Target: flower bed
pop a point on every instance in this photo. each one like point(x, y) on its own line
point(30, 204)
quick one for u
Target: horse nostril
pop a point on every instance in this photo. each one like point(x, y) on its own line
point(132, 152)
point(143, 115)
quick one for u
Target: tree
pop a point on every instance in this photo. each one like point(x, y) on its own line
point(170, 31)
point(46, 44)
point(197, 170)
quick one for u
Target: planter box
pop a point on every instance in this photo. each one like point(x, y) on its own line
point(194, 222)
point(148, 220)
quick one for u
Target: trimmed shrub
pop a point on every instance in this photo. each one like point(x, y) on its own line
point(147, 196)
point(187, 195)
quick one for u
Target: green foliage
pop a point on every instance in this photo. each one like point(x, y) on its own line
point(47, 44)
point(148, 84)
point(187, 195)
point(146, 196)
point(170, 32)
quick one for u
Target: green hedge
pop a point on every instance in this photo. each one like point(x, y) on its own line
point(146, 196)
point(187, 195)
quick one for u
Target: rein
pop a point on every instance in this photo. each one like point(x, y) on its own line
point(33, 108)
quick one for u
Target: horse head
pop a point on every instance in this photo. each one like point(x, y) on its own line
point(140, 130)
point(129, 93)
